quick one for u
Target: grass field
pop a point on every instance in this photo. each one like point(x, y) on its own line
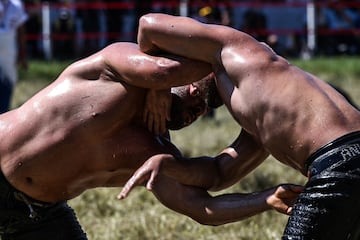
point(141, 216)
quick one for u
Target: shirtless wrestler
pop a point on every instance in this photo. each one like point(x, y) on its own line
point(291, 114)
point(85, 130)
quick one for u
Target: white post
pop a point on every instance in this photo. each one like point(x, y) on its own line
point(311, 26)
point(46, 30)
point(183, 8)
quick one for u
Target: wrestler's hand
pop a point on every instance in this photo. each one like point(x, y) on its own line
point(284, 197)
point(157, 110)
point(147, 173)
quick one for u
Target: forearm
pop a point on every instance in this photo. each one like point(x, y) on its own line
point(200, 172)
point(220, 172)
point(197, 204)
point(234, 207)
point(203, 172)
point(182, 36)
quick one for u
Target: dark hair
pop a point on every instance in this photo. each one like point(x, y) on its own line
point(213, 98)
point(176, 122)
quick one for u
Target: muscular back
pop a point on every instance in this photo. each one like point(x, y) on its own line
point(82, 131)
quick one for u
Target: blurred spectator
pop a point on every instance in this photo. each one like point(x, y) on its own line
point(113, 21)
point(142, 7)
point(83, 27)
point(324, 46)
point(238, 7)
point(247, 16)
point(341, 23)
point(273, 41)
point(128, 21)
point(12, 47)
point(64, 30)
point(33, 28)
point(255, 24)
point(357, 16)
point(165, 6)
point(122, 19)
point(90, 27)
point(210, 11)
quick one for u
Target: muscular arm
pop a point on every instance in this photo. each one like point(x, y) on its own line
point(126, 62)
point(219, 172)
point(209, 173)
point(186, 37)
point(216, 210)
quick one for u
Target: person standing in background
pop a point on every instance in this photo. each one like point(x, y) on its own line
point(12, 47)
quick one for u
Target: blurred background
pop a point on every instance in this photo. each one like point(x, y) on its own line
point(294, 28)
point(321, 37)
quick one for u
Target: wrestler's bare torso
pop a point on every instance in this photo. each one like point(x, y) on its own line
point(84, 130)
point(290, 112)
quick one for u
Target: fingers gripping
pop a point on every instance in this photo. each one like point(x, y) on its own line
point(150, 183)
point(137, 179)
point(157, 110)
point(130, 184)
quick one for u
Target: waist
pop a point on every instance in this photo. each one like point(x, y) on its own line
point(341, 149)
point(7, 189)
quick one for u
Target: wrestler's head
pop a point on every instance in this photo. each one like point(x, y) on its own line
point(193, 100)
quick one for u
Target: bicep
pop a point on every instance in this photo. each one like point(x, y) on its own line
point(125, 62)
point(155, 72)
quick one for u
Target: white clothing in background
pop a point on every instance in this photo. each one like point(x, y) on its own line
point(12, 15)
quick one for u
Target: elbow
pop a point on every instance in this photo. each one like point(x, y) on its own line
point(146, 18)
point(207, 223)
point(202, 209)
point(169, 71)
point(217, 186)
point(162, 72)
point(218, 179)
point(204, 214)
point(207, 219)
point(144, 21)
point(145, 24)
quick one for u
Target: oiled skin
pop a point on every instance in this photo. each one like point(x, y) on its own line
point(86, 130)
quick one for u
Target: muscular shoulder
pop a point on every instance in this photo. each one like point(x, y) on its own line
point(250, 53)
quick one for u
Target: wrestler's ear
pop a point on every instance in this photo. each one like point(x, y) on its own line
point(194, 90)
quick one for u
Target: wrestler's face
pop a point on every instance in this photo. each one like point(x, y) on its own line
point(192, 101)
point(187, 105)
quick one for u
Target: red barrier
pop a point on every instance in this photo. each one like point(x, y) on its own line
point(175, 4)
